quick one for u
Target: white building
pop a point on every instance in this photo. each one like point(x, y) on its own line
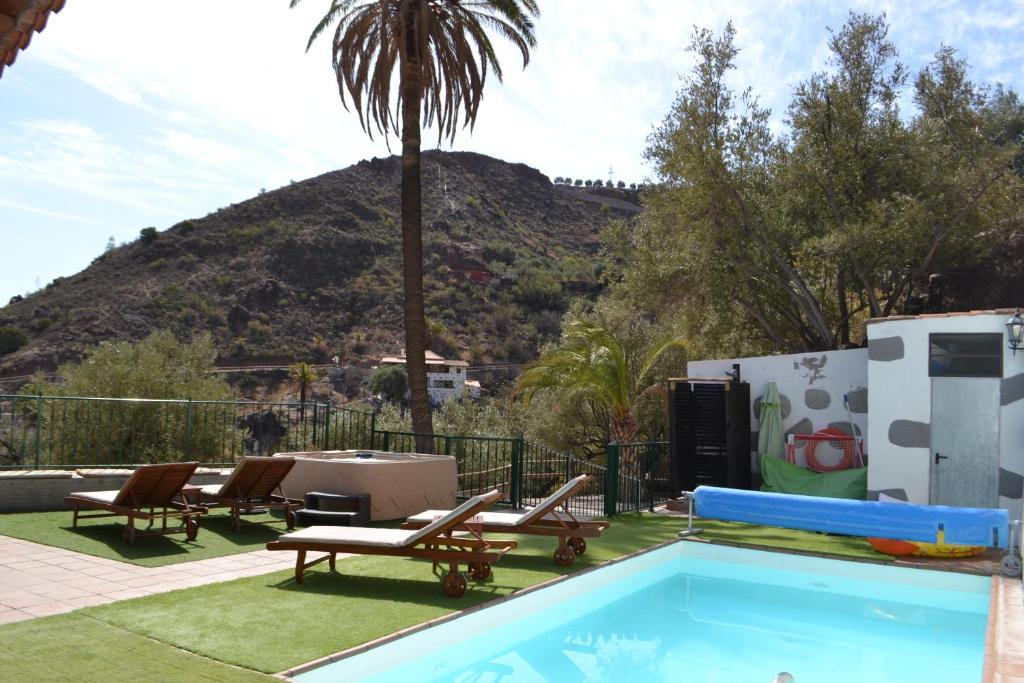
point(945, 421)
point(446, 379)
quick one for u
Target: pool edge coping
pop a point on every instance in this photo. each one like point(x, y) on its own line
point(287, 674)
point(1003, 662)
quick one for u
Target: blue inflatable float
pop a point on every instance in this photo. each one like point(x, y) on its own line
point(902, 521)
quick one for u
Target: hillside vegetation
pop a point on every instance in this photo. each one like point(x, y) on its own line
point(312, 270)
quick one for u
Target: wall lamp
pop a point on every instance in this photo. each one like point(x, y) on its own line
point(1015, 331)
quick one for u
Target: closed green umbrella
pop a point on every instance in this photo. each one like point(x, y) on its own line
point(769, 440)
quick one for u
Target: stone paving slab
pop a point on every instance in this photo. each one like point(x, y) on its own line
point(38, 580)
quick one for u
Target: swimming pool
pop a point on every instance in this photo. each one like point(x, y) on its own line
point(699, 613)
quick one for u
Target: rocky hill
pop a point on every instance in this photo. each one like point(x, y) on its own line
point(312, 270)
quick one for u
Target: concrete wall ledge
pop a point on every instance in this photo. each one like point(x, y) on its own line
point(41, 490)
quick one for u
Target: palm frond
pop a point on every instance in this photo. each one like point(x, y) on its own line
point(436, 50)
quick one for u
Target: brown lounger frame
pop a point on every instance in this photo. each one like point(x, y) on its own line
point(149, 495)
point(255, 484)
point(440, 547)
point(569, 530)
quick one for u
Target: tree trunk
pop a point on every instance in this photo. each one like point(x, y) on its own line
point(844, 309)
point(412, 257)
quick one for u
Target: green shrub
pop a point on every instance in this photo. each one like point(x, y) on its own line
point(158, 367)
point(11, 339)
point(389, 381)
point(148, 235)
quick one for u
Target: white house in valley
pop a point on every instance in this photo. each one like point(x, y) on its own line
point(446, 379)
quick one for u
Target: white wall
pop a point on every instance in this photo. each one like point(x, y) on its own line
point(901, 391)
point(812, 383)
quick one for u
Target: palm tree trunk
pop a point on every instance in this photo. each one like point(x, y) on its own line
point(412, 257)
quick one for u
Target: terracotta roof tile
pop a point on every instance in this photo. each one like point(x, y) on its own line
point(19, 20)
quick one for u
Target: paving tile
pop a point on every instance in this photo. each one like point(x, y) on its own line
point(12, 616)
point(47, 609)
point(62, 593)
point(87, 601)
point(26, 600)
point(128, 594)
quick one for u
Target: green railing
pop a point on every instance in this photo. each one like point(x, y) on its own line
point(525, 472)
point(641, 475)
point(57, 432)
point(71, 432)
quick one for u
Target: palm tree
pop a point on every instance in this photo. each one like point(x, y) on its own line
point(443, 55)
point(304, 376)
point(596, 365)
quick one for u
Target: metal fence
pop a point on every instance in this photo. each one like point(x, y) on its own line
point(70, 432)
point(60, 432)
point(643, 475)
point(523, 471)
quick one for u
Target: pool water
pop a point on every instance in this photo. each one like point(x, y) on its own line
point(696, 613)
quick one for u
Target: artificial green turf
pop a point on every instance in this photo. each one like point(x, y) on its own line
point(76, 647)
point(269, 623)
point(102, 537)
point(775, 537)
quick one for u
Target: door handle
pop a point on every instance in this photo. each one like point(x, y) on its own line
point(940, 457)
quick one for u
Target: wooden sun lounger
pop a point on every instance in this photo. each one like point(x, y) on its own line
point(433, 542)
point(254, 483)
point(152, 492)
point(545, 519)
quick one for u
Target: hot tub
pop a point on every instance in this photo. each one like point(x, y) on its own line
point(399, 484)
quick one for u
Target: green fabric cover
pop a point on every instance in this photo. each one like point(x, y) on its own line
point(779, 476)
point(770, 440)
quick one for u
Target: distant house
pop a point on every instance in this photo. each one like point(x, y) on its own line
point(446, 379)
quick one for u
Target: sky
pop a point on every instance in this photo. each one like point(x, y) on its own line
point(125, 114)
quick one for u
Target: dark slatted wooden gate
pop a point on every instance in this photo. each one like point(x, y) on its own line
point(709, 434)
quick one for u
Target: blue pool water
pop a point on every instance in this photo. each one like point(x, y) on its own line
point(695, 613)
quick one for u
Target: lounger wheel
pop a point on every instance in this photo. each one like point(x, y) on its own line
point(578, 545)
point(128, 534)
point(479, 571)
point(1011, 564)
point(454, 584)
point(289, 519)
point(191, 529)
point(564, 556)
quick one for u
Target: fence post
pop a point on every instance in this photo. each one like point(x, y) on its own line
point(447, 445)
point(327, 426)
point(39, 425)
point(188, 428)
point(516, 486)
point(316, 421)
point(611, 481)
point(387, 442)
point(373, 429)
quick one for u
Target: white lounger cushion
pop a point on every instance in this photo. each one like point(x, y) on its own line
point(352, 535)
point(511, 519)
point(212, 489)
point(107, 497)
point(542, 508)
point(389, 538)
point(502, 519)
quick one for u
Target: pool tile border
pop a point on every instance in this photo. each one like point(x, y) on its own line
point(1004, 651)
